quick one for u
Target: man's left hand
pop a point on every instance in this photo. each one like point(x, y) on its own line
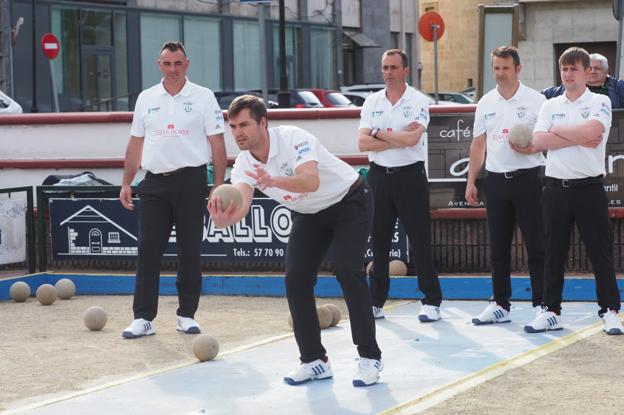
point(262, 178)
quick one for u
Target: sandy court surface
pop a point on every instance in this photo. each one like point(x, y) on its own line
point(47, 351)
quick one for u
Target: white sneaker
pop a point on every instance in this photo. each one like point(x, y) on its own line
point(429, 313)
point(538, 310)
point(493, 313)
point(612, 323)
point(545, 321)
point(368, 372)
point(306, 372)
point(187, 325)
point(138, 328)
point(378, 312)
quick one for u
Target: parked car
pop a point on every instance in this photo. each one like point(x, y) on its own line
point(331, 98)
point(298, 99)
point(356, 98)
point(471, 92)
point(358, 93)
point(8, 106)
point(225, 98)
point(453, 97)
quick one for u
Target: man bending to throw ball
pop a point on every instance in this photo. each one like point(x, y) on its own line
point(329, 203)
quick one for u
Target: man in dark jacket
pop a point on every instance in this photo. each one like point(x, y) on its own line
point(598, 82)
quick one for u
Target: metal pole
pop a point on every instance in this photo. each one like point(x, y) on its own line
point(283, 97)
point(435, 61)
point(264, 64)
point(54, 91)
point(619, 49)
point(33, 107)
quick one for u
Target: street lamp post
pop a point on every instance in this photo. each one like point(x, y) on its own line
point(283, 96)
point(33, 107)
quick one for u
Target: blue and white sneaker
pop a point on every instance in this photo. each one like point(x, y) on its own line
point(612, 323)
point(306, 372)
point(429, 313)
point(187, 325)
point(138, 328)
point(493, 313)
point(368, 372)
point(545, 321)
point(378, 312)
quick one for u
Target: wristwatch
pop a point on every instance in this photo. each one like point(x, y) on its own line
point(374, 132)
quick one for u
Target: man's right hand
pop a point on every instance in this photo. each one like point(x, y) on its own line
point(221, 218)
point(472, 194)
point(125, 197)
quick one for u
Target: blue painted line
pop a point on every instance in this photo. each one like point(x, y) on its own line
point(453, 288)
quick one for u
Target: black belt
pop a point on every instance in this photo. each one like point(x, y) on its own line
point(354, 186)
point(172, 172)
point(575, 182)
point(515, 173)
point(393, 170)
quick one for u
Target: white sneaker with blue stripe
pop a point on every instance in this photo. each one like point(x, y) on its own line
point(138, 328)
point(429, 313)
point(378, 312)
point(368, 372)
point(493, 313)
point(612, 323)
point(306, 372)
point(187, 325)
point(545, 321)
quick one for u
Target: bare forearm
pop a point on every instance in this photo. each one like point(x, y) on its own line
point(477, 158)
point(550, 141)
point(369, 143)
point(402, 138)
point(299, 183)
point(132, 162)
point(219, 158)
point(580, 133)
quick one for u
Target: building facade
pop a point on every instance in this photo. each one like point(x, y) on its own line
point(109, 47)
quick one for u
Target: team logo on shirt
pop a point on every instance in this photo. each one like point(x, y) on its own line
point(521, 114)
point(605, 109)
point(298, 146)
point(375, 114)
point(490, 115)
point(287, 171)
point(171, 131)
point(407, 111)
point(188, 106)
point(585, 114)
point(558, 116)
point(153, 109)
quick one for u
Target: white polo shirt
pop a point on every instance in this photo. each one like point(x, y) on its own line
point(495, 116)
point(290, 147)
point(378, 112)
point(576, 162)
point(175, 127)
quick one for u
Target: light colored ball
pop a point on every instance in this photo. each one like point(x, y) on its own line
point(19, 291)
point(336, 314)
point(369, 268)
point(205, 347)
point(65, 288)
point(324, 316)
point(95, 318)
point(520, 135)
point(46, 294)
point(228, 192)
point(397, 268)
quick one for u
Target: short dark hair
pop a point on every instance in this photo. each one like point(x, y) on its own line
point(255, 105)
point(173, 47)
point(399, 52)
point(573, 55)
point(507, 52)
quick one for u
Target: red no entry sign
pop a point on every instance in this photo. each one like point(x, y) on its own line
point(426, 23)
point(50, 45)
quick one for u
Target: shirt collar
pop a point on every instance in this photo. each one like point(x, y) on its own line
point(406, 94)
point(584, 97)
point(185, 91)
point(516, 97)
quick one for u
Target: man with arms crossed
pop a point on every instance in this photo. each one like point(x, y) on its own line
point(329, 203)
point(177, 127)
point(574, 128)
point(392, 131)
point(512, 187)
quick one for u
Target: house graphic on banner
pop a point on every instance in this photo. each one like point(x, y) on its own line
point(90, 232)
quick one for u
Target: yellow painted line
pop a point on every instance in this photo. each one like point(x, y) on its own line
point(445, 392)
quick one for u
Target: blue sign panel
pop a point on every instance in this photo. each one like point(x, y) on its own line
point(102, 228)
